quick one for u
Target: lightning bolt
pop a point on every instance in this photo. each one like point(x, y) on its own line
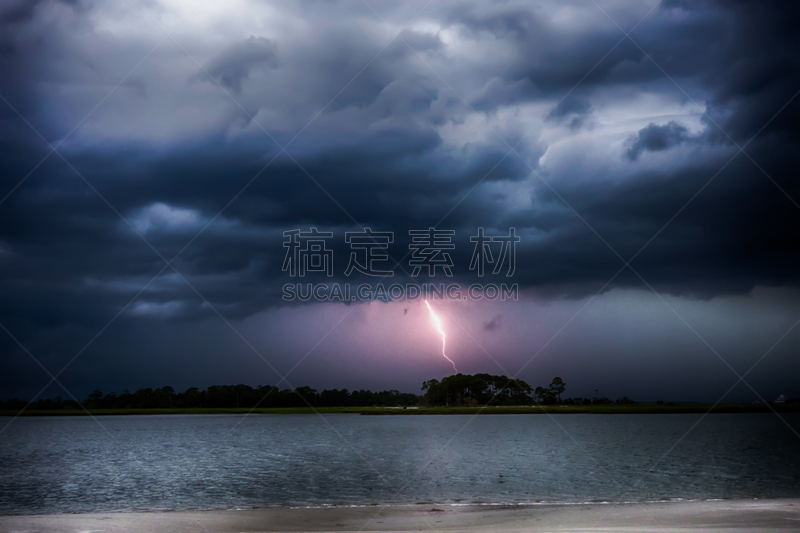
point(438, 324)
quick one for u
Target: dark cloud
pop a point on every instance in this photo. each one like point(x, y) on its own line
point(571, 105)
point(234, 65)
point(573, 110)
point(494, 324)
point(655, 138)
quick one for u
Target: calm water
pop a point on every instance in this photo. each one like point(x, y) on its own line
point(50, 465)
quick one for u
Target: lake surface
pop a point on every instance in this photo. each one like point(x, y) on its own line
point(71, 464)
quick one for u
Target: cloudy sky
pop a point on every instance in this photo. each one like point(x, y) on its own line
point(154, 152)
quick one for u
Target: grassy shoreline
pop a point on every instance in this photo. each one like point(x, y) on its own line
point(551, 409)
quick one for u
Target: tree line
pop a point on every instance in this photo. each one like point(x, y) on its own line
point(223, 396)
point(456, 390)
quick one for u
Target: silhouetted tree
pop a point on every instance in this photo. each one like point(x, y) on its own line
point(557, 387)
point(93, 400)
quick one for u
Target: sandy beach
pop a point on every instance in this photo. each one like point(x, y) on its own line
point(728, 516)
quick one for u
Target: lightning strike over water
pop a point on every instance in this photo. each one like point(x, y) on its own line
point(438, 324)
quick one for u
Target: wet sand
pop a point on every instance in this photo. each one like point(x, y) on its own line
point(715, 516)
